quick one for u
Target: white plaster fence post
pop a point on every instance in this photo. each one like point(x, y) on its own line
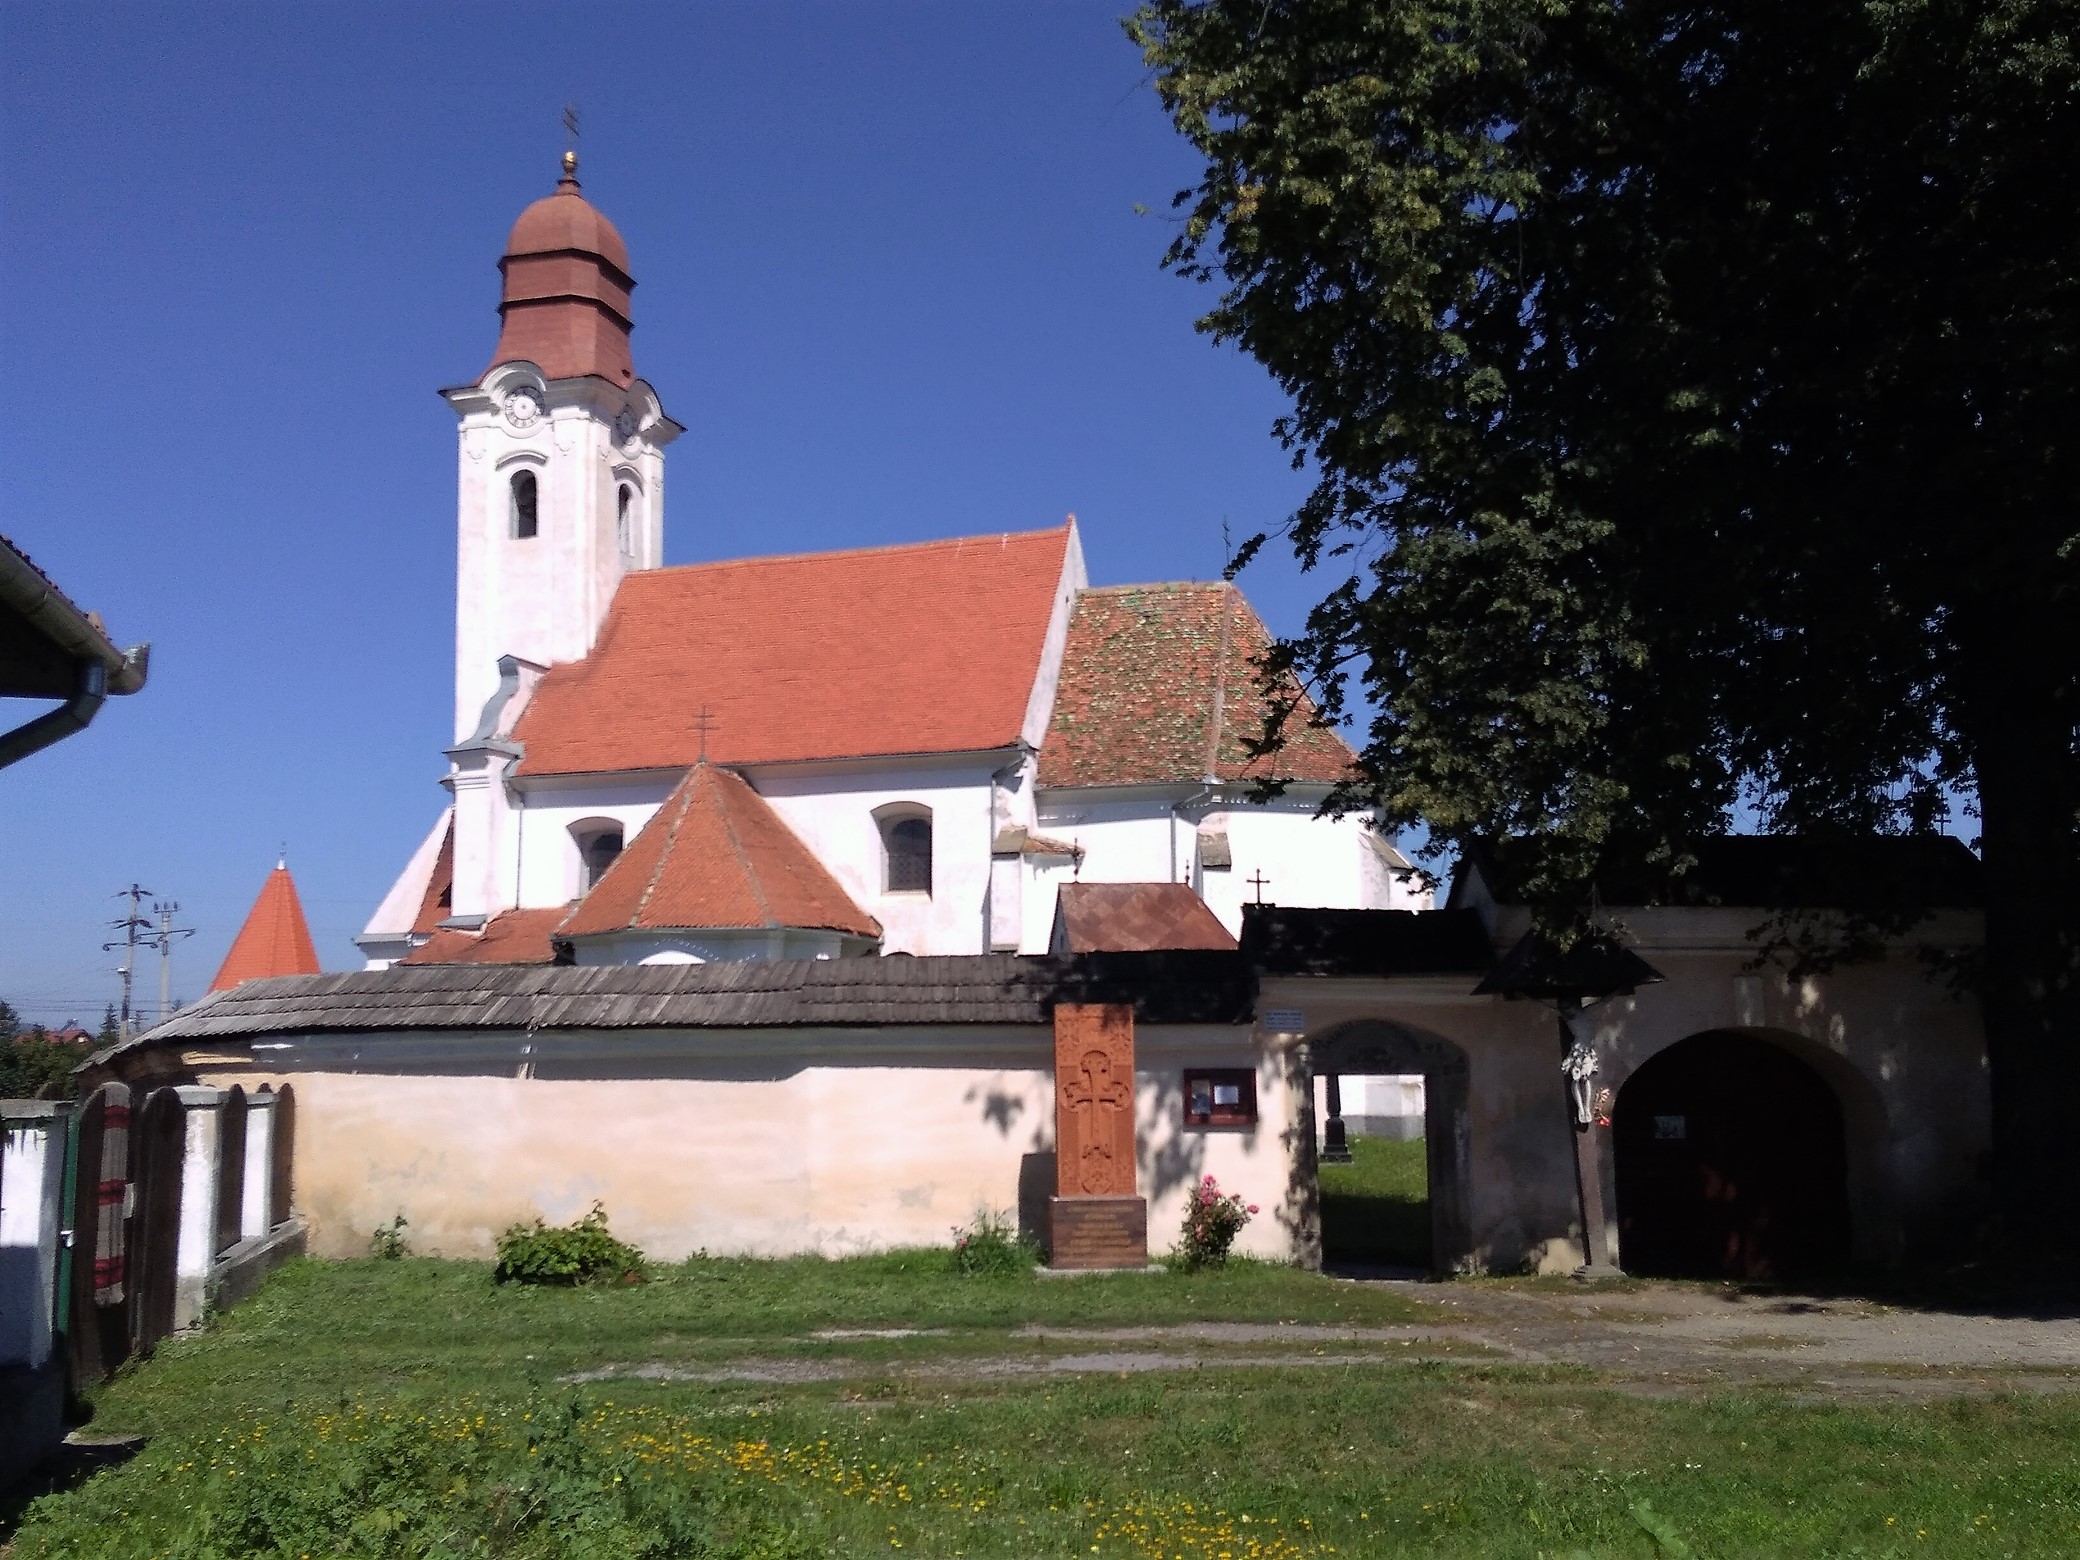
point(32, 1185)
point(257, 1202)
point(200, 1107)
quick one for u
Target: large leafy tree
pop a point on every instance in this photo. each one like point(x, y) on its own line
point(1693, 397)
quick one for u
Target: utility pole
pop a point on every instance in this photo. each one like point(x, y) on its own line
point(129, 925)
point(162, 938)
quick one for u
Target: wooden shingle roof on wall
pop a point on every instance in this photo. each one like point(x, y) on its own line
point(1178, 987)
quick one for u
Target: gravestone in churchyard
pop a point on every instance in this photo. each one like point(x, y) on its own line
point(1098, 1218)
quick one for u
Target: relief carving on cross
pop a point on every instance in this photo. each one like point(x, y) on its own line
point(1094, 1100)
point(1096, 1097)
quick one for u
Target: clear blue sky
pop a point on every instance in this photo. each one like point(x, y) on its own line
point(889, 276)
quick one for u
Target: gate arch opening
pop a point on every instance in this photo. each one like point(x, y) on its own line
point(1732, 1162)
point(1372, 1047)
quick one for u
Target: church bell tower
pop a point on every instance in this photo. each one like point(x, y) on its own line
point(561, 467)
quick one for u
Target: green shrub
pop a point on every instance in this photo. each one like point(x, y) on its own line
point(991, 1247)
point(579, 1253)
point(388, 1242)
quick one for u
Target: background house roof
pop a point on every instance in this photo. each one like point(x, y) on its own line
point(932, 648)
point(1773, 871)
point(1159, 684)
point(1135, 917)
point(716, 855)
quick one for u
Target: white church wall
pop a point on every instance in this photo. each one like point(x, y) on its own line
point(829, 1142)
point(1130, 834)
point(1321, 863)
point(540, 844)
point(1040, 703)
point(832, 808)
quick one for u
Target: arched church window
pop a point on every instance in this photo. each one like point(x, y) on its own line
point(907, 840)
point(597, 852)
point(525, 513)
point(624, 532)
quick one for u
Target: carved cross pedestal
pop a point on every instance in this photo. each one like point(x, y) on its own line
point(1097, 1217)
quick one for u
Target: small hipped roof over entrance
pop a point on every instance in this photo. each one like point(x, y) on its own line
point(716, 857)
point(276, 940)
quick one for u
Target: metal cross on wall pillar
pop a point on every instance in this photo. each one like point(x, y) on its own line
point(1593, 969)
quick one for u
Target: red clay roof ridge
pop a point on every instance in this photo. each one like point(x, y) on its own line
point(1001, 538)
point(751, 876)
point(1124, 590)
point(671, 838)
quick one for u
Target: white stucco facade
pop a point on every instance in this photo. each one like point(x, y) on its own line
point(543, 597)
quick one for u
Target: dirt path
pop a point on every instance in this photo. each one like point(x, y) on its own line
point(1676, 1340)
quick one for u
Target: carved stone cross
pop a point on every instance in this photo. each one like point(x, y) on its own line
point(1096, 1219)
point(1095, 1096)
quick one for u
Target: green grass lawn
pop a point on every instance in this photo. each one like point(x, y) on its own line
point(412, 1408)
point(1376, 1209)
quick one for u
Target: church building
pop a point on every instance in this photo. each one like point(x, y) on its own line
point(905, 749)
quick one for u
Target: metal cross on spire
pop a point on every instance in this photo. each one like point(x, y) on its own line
point(704, 722)
point(570, 152)
point(1257, 880)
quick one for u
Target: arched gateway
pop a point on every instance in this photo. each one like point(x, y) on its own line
point(1366, 1047)
point(1731, 1163)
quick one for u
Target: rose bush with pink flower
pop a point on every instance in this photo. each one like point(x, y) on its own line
point(1212, 1220)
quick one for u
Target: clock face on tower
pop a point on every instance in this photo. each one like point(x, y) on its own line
point(523, 408)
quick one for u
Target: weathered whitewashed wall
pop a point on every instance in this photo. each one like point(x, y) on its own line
point(1903, 1054)
point(738, 1142)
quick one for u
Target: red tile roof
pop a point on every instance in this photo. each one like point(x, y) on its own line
point(717, 855)
point(510, 937)
point(1158, 685)
point(276, 940)
point(1135, 918)
point(932, 648)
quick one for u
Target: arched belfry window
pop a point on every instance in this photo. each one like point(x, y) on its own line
point(906, 842)
point(526, 514)
point(624, 521)
point(599, 847)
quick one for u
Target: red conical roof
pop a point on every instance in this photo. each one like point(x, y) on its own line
point(567, 285)
point(275, 939)
point(717, 856)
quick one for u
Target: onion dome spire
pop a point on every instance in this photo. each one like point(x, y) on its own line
point(566, 302)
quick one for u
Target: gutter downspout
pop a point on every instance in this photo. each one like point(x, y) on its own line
point(68, 719)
